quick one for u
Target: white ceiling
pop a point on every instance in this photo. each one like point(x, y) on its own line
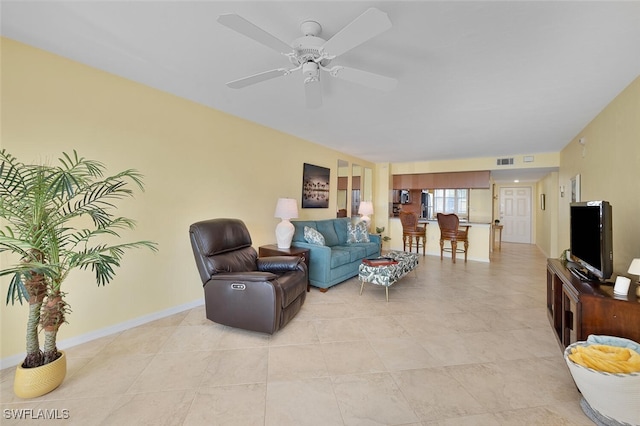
point(475, 79)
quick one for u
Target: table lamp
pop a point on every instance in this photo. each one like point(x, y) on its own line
point(286, 209)
point(365, 209)
point(634, 269)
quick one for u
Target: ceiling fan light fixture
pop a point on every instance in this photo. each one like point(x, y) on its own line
point(311, 71)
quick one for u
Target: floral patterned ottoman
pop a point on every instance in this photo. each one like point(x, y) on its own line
point(388, 274)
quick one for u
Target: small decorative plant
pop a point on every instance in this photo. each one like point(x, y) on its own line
point(380, 230)
point(40, 206)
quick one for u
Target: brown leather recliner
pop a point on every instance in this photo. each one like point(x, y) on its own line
point(240, 289)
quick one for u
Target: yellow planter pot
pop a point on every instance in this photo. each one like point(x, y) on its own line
point(34, 382)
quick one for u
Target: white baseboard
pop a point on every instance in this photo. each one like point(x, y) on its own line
point(87, 337)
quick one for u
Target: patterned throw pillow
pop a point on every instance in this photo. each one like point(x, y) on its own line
point(357, 233)
point(312, 236)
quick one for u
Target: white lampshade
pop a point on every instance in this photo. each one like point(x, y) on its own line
point(286, 209)
point(634, 268)
point(366, 208)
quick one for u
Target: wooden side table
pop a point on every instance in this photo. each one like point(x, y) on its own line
point(273, 250)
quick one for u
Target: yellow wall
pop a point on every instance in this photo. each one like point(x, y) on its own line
point(382, 199)
point(609, 168)
point(480, 206)
point(546, 232)
point(198, 163)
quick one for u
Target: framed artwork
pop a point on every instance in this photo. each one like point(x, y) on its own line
point(575, 188)
point(315, 187)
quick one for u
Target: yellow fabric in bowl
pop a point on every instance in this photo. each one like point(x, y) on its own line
point(606, 358)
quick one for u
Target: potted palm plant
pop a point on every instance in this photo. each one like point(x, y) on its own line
point(41, 207)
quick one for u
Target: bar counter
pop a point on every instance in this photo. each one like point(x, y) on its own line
point(480, 234)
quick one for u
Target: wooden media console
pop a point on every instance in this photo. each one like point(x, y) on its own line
point(579, 308)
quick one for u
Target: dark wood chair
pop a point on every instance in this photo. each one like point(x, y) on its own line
point(410, 230)
point(450, 230)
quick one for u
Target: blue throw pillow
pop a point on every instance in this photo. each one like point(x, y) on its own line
point(313, 237)
point(357, 233)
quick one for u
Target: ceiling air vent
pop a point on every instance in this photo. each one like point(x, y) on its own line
point(504, 161)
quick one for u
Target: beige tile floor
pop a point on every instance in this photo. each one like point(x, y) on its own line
point(463, 344)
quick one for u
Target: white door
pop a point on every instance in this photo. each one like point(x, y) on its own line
point(515, 214)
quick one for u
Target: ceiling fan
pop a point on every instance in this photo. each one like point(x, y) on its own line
point(312, 54)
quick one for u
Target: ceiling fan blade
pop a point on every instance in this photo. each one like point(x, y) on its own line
point(241, 25)
point(313, 93)
point(368, 25)
point(257, 78)
point(365, 78)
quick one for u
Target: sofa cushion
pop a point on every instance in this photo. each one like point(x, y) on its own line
point(313, 237)
point(357, 233)
point(356, 251)
point(341, 225)
point(328, 231)
point(298, 234)
point(371, 248)
point(339, 257)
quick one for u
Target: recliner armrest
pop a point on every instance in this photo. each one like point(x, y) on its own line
point(278, 263)
point(254, 276)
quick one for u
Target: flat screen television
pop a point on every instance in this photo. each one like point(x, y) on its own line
point(591, 239)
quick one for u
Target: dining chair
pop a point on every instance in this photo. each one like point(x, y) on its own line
point(410, 230)
point(450, 230)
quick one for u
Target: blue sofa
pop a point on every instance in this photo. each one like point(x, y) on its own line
point(337, 260)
